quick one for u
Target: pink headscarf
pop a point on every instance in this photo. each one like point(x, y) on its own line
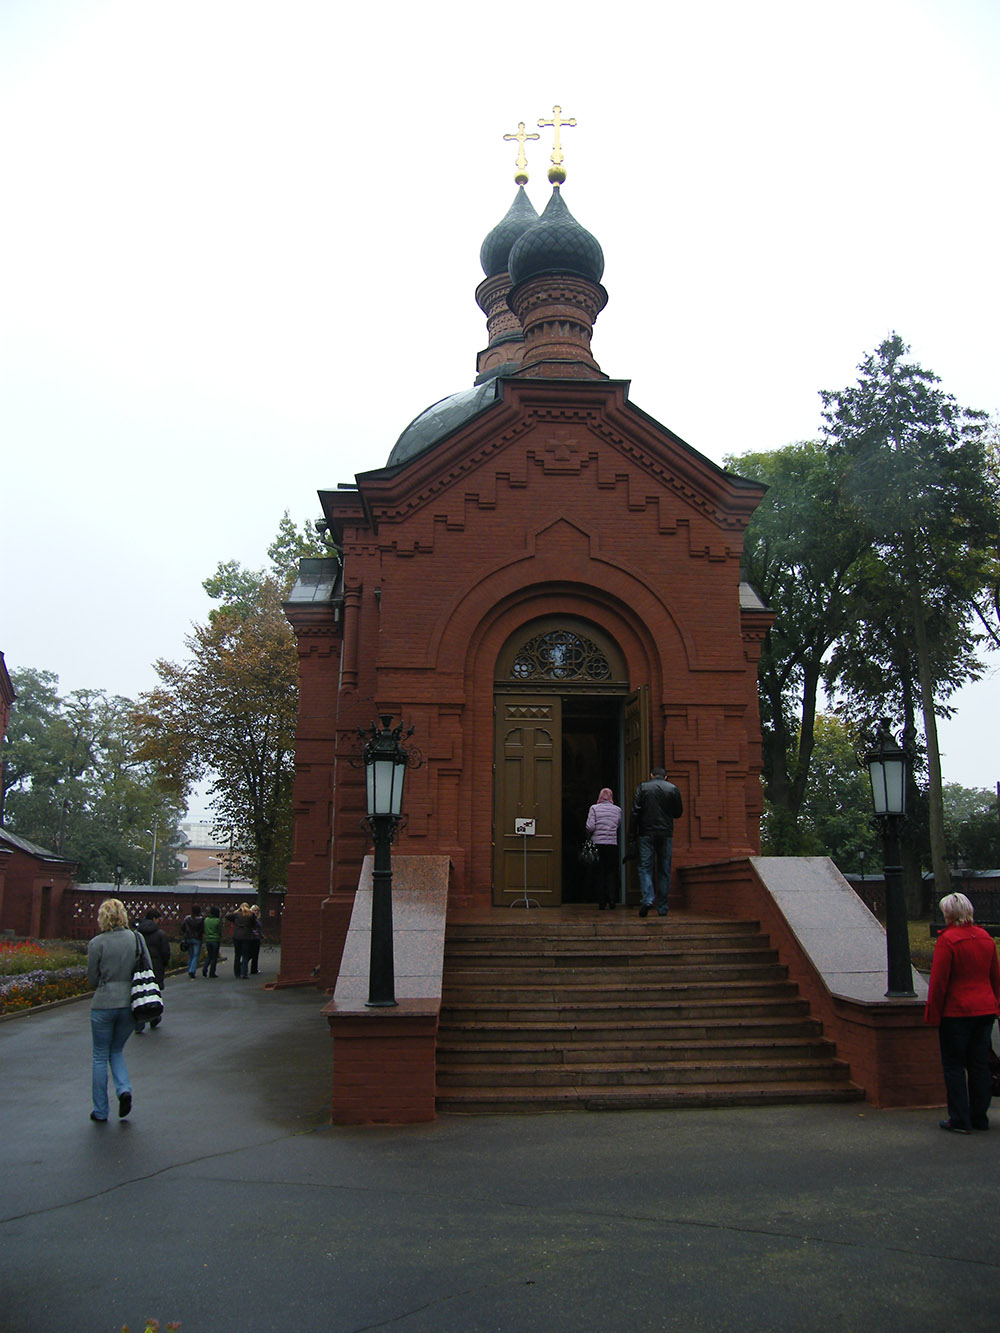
point(605, 795)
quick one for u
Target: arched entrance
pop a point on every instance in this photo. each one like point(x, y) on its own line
point(567, 723)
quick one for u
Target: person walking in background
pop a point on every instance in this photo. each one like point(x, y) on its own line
point(212, 941)
point(158, 948)
point(255, 941)
point(603, 822)
point(192, 933)
point(111, 958)
point(655, 806)
point(243, 928)
point(963, 1000)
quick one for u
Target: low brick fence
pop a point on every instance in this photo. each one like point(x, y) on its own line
point(78, 917)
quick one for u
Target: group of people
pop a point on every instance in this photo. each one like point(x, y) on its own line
point(118, 950)
point(655, 806)
point(198, 932)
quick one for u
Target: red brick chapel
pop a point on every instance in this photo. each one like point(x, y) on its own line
point(543, 582)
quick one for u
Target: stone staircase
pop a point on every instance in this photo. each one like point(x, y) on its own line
point(592, 1010)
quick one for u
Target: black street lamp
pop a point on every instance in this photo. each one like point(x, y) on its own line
point(385, 765)
point(887, 771)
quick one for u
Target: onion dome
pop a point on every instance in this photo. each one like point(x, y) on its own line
point(497, 247)
point(556, 244)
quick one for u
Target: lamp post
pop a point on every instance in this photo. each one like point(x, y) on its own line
point(887, 770)
point(385, 765)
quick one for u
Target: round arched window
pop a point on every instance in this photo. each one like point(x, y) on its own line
point(563, 654)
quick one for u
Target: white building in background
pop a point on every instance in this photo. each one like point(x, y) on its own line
point(204, 861)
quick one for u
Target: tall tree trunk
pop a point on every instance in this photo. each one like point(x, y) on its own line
point(935, 799)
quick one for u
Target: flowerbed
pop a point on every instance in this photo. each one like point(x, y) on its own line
point(32, 973)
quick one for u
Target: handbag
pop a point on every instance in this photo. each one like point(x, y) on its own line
point(588, 852)
point(147, 1001)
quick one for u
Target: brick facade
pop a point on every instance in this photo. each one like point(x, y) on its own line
point(561, 500)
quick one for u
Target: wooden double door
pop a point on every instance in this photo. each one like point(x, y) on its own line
point(553, 754)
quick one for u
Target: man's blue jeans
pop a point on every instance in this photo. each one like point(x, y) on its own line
point(110, 1029)
point(658, 848)
point(194, 952)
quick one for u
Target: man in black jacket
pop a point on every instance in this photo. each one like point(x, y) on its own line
point(655, 806)
point(159, 954)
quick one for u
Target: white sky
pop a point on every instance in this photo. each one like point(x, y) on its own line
point(239, 246)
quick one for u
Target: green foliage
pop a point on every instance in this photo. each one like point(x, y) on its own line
point(972, 827)
point(229, 712)
point(917, 473)
point(73, 783)
point(835, 818)
point(878, 549)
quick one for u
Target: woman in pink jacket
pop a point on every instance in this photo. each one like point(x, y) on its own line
point(962, 1002)
point(604, 819)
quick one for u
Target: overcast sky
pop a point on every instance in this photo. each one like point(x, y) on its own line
point(240, 244)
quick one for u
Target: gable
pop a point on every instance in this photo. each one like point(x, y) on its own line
point(553, 431)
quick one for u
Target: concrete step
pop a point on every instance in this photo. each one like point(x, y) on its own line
point(643, 1009)
point(631, 991)
point(491, 1101)
point(778, 1027)
point(656, 972)
point(612, 1011)
point(672, 1072)
point(454, 1053)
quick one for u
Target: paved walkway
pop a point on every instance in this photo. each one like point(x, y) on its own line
point(228, 1203)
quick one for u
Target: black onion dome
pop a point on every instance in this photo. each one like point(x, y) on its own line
point(496, 248)
point(556, 244)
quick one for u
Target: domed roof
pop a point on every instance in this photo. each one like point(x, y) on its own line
point(496, 248)
point(556, 244)
point(441, 418)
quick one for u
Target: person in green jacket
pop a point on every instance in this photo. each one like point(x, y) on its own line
point(213, 941)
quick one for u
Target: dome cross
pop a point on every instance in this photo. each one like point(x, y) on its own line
point(521, 176)
point(557, 173)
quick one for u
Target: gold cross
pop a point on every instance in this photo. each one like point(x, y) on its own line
point(557, 173)
point(521, 176)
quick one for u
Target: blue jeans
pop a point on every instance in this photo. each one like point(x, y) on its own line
point(194, 949)
point(211, 958)
point(965, 1062)
point(658, 847)
point(110, 1029)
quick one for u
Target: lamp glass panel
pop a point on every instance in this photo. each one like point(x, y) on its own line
point(382, 773)
point(895, 785)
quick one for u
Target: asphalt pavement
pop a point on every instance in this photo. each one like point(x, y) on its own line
point(226, 1201)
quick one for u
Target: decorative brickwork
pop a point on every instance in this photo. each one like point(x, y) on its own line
point(560, 501)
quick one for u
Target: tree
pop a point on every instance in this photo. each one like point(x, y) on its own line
point(74, 785)
point(972, 826)
point(917, 470)
point(229, 712)
point(835, 817)
point(800, 553)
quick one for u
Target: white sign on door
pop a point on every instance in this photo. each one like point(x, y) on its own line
point(524, 828)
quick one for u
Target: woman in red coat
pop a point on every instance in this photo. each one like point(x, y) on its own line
point(963, 1002)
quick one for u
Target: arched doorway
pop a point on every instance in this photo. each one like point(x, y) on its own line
point(567, 723)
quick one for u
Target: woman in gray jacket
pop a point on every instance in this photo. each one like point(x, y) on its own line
point(111, 958)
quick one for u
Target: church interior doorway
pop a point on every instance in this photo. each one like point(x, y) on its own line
point(591, 759)
point(566, 725)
